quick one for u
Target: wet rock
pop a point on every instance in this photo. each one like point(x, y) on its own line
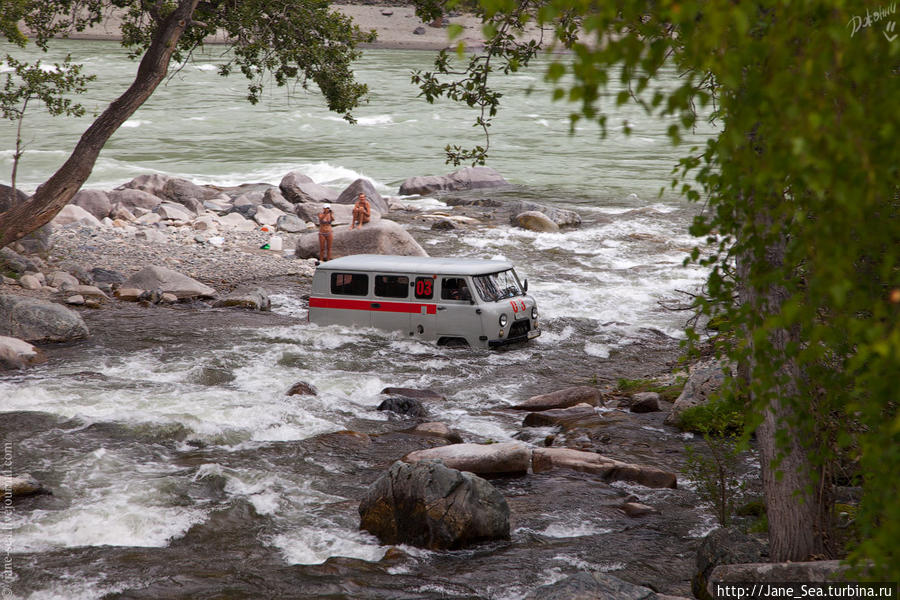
point(168, 298)
point(383, 237)
point(21, 485)
point(403, 406)
point(297, 188)
point(548, 459)
point(443, 225)
point(95, 202)
point(645, 402)
point(438, 430)
point(820, 571)
point(212, 376)
point(251, 298)
point(74, 214)
point(167, 280)
point(18, 354)
point(563, 399)
point(128, 294)
point(412, 393)
point(364, 186)
point(290, 224)
point(301, 388)
point(432, 506)
point(535, 221)
point(592, 586)
point(704, 380)
point(483, 459)
point(469, 178)
point(131, 199)
point(566, 417)
point(636, 509)
point(38, 321)
point(562, 217)
point(724, 546)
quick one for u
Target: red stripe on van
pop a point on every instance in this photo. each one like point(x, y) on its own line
point(399, 307)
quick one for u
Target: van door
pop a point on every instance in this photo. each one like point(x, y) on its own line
point(391, 306)
point(456, 311)
point(423, 319)
point(344, 300)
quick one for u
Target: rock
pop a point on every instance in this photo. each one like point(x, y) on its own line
point(101, 275)
point(245, 206)
point(704, 379)
point(168, 298)
point(78, 272)
point(595, 585)
point(39, 240)
point(483, 459)
point(75, 300)
point(18, 354)
point(267, 216)
point(167, 280)
point(252, 298)
point(88, 291)
point(636, 509)
point(205, 223)
point(154, 184)
point(560, 216)
point(645, 402)
point(559, 416)
point(469, 178)
point(297, 188)
point(238, 223)
point(62, 280)
point(806, 573)
point(274, 197)
point(129, 294)
point(412, 393)
point(403, 406)
point(74, 214)
point(187, 194)
point(130, 199)
point(432, 506)
point(724, 546)
point(301, 388)
point(22, 485)
point(150, 219)
point(16, 262)
point(363, 186)
point(290, 224)
point(564, 398)
point(30, 282)
point(548, 459)
point(174, 212)
point(218, 206)
point(418, 31)
point(383, 237)
point(38, 321)
point(95, 202)
point(440, 430)
point(6, 202)
point(535, 221)
point(120, 213)
point(443, 225)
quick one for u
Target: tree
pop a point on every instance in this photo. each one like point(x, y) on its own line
point(285, 40)
point(801, 194)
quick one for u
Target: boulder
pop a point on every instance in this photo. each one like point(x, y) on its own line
point(150, 218)
point(267, 216)
point(238, 223)
point(151, 236)
point(129, 294)
point(18, 354)
point(564, 398)
point(218, 206)
point(444, 225)
point(101, 275)
point(39, 240)
point(274, 197)
point(187, 194)
point(403, 406)
point(130, 199)
point(76, 300)
point(798, 573)
point(166, 280)
point(704, 379)
point(17, 263)
point(432, 506)
point(10, 197)
point(21, 485)
point(290, 224)
point(363, 186)
point(595, 585)
point(301, 388)
point(412, 393)
point(383, 237)
point(173, 212)
point(535, 221)
point(297, 188)
point(62, 280)
point(565, 417)
point(74, 214)
point(483, 459)
point(88, 291)
point(343, 213)
point(152, 183)
point(636, 509)
point(95, 202)
point(205, 223)
point(435, 429)
point(252, 298)
point(549, 459)
point(723, 546)
point(245, 206)
point(560, 216)
point(469, 178)
point(30, 282)
point(645, 402)
point(39, 321)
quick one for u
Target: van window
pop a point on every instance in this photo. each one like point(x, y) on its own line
point(424, 288)
point(498, 286)
point(455, 288)
point(392, 286)
point(350, 284)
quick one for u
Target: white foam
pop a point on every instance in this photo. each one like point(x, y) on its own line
point(561, 530)
point(314, 545)
point(375, 120)
point(134, 123)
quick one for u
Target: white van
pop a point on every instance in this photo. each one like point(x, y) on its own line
point(451, 300)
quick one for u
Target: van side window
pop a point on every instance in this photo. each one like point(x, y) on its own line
point(350, 284)
point(455, 288)
point(392, 286)
point(424, 288)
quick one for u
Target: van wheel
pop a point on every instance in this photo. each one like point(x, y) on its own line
point(452, 342)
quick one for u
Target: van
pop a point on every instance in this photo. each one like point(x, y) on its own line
point(453, 301)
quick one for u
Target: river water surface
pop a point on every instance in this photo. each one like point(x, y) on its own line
point(180, 469)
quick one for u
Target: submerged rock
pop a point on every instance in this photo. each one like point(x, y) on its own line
point(595, 585)
point(21, 485)
point(301, 388)
point(469, 178)
point(565, 417)
point(18, 354)
point(535, 221)
point(250, 298)
point(441, 430)
point(432, 506)
point(39, 321)
point(560, 216)
point(403, 406)
point(484, 459)
point(412, 393)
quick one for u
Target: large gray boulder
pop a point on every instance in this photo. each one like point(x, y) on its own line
point(297, 188)
point(152, 183)
point(188, 194)
point(483, 459)
point(290, 224)
point(363, 186)
point(563, 398)
point(432, 506)
point(608, 469)
point(39, 321)
point(704, 380)
point(274, 197)
point(17, 263)
point(469, 178)
point(18, 354)
point(724, 546)
point(592, 586)
point(383, 237)
point(560, 216)
point(74, 214)
point(168, 281)
point(95, 202)
point(130, 199)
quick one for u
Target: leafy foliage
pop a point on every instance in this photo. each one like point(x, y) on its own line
point(715, 473)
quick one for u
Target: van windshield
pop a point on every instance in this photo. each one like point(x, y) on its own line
point(498, 286)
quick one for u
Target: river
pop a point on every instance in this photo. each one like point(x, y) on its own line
point(180, 469)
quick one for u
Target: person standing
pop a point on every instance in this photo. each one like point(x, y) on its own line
point(362, 212)
point(326, 235)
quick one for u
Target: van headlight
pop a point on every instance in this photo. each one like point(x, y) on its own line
point(534, 312)
point(503, 320)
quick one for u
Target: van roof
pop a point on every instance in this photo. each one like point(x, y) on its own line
point(415, 264)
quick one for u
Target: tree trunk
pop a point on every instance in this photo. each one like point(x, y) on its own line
point(55, 193)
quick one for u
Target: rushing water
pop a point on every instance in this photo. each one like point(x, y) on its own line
point(179, 467)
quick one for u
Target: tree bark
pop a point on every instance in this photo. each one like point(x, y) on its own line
point(51, 196)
